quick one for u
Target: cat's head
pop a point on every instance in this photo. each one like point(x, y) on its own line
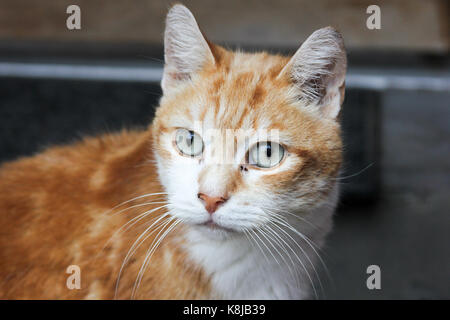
point(243, 138)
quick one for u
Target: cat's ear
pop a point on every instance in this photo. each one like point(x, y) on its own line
point(186, 51)
point(317, 72)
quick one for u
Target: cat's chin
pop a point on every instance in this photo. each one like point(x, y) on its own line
point(215, 231)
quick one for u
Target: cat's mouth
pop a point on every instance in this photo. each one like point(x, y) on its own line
point(210, 224)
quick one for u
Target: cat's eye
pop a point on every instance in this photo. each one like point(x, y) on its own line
point(265, 154)
point(188, 142)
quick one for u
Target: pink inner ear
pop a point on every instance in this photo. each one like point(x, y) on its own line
point(330, 105)
point(331, 108)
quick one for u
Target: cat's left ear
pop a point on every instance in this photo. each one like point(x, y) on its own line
point(186, 51)
point(317, 72)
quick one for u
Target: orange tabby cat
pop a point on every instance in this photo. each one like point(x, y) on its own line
point(153, 215)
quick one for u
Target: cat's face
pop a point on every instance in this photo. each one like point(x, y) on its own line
point(242, 139)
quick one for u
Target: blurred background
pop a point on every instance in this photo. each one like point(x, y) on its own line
point(57, 85)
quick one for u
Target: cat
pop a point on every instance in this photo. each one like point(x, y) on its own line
point(148, 214)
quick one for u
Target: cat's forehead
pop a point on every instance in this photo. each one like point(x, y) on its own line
point(244, 92)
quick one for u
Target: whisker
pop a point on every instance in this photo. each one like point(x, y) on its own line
point(301, 262)
point(135, 246)
point(146, 237)
point(285, 251)
point(139, 205)
point(150, 253)
point(136, 198)
point(294, 215)
point(355, 174)
point(135, 219)
point(301, 248)
point(270, 251)
point(256, 242)
point(293, 274)
point(283, 219)
point(310, 243)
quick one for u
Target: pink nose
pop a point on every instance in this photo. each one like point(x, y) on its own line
point(211, 203)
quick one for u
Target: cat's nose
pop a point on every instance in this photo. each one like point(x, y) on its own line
point(211, 203)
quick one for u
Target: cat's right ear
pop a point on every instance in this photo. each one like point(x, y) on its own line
point(186, 51)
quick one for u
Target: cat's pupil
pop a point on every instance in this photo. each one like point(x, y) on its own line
point(190, 138)
point(269, 150)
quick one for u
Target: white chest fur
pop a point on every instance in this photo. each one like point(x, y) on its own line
point(239, 269)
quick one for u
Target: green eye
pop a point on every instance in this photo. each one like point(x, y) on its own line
point(265, 154)
point(188, 142)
